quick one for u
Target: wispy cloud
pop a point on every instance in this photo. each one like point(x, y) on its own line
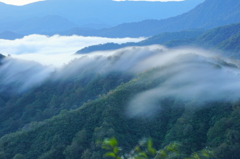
point(189, 75)
point(186, 74)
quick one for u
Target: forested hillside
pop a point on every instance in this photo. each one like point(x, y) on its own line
point(148, 96)
point(231, 44)
point(20, 107)
point(181, 85)
point(157, 39)
point(224, 38)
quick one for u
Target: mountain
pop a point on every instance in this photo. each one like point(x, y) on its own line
point(183, 95)
point(93, 106)
point(231, 44)
point(151, 91)
point(10, 35)
point(157, 39)
point(224, 38)
point(50, 24)
point(69, 17)
point(96, 12)
point(1, 56)
point(209, 14)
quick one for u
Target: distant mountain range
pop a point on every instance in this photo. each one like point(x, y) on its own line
point(95, 13)
point(210, 14)
point(83, 18)
point(157, 39)
point(38, 25)
point(226, 38)
point(10, 35)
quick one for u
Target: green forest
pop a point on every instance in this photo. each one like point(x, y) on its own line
point(167, 94)
point(174, 95)
point(65, 118)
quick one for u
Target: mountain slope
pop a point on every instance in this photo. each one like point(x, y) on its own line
point(73, 134)
point(157, 39)
point(231, 44)
point(1, 56)
point(224, 38)
point(210, 14)
point(10, 35)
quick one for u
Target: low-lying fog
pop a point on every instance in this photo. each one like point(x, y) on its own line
point(55, 50)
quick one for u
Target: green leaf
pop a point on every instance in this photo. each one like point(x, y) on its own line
point(105, 147)
point(152, 151)
point(110, 154)
point(116, 150)
point(149, 144)
point(113, 142)
point(143, 154)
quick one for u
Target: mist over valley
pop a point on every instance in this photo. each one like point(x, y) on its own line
point(84, 80)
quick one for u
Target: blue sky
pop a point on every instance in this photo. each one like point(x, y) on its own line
point(23, 2)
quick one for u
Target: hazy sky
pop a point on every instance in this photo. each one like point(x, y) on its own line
point(23, 2)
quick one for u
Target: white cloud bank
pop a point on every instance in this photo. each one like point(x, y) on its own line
point(19, 2)
point(56, 50)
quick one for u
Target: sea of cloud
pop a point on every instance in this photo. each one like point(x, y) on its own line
point(56, 50)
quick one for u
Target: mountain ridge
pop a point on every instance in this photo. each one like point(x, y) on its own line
point(215, 38)
point(91, 11)
point(50, 24)
point(208, 14)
